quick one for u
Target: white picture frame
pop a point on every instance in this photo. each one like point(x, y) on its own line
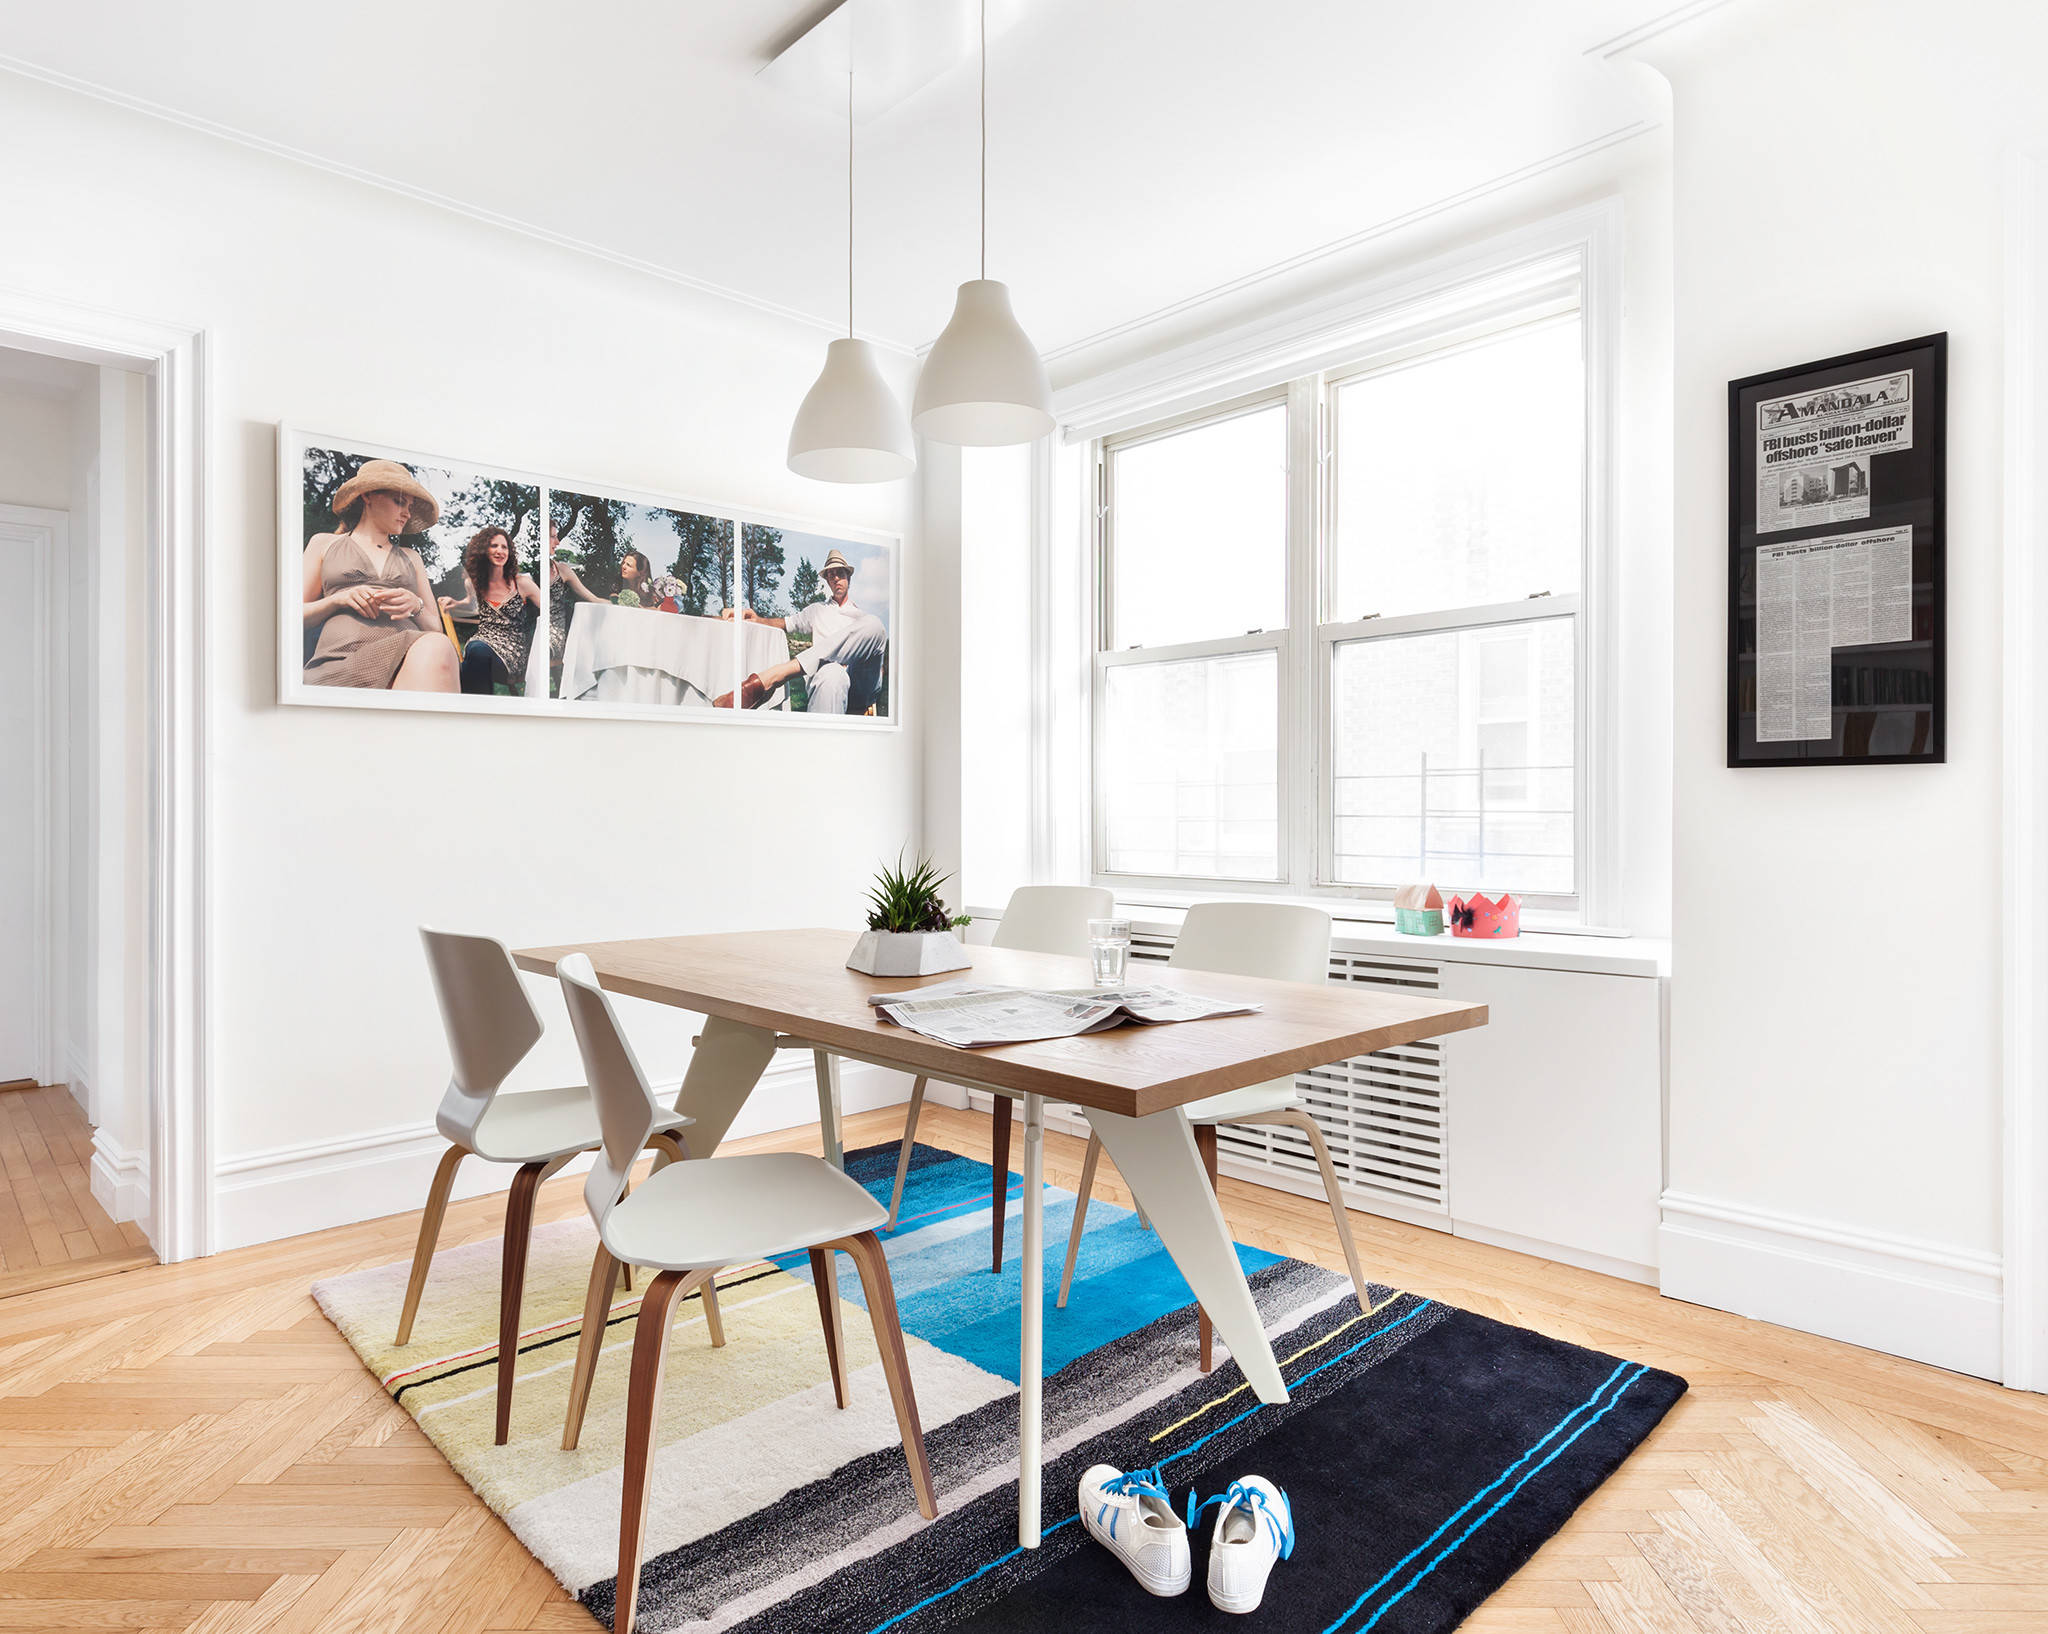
point(293, 690)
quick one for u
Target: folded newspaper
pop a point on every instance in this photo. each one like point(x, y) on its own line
point(974, 1016)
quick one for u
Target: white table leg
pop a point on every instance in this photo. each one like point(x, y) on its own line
point(724, 1068)
point(1031, 1352)
point(828, 1106)
point(1159, 1161)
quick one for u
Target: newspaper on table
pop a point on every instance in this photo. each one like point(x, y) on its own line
point(1814, 448)
point(976, 1015)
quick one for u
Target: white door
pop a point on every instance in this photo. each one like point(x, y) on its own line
point(24, 558)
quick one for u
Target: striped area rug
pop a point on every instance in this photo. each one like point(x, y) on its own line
point(1428, 1451)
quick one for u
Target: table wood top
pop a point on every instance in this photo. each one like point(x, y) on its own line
point(796, 982)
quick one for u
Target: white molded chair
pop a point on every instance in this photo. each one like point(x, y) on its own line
point(1281, 943)
point(1039, 919)
point(491, 1026)
point(688, 1221)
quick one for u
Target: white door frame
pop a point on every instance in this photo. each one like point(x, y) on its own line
point(177, 683)
point(42, 534)
point(2024, 905)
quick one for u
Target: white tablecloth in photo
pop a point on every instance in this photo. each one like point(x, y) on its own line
point(634, 655)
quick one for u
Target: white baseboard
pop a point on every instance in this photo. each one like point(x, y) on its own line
point(287, 1191)
point(78, 1081)
point(120, 1180)
point(1924, 1301)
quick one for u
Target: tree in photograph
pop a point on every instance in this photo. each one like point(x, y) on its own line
point(804, 588)
point(703, 559)
point(595, 529)
point(761, 568)
point(491, 502)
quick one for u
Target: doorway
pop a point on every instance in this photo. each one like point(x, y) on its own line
point(73, 1127)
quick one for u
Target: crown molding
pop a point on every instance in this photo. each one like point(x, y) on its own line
point(1620, 45)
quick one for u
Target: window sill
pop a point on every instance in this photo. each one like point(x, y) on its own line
point(1367, 927)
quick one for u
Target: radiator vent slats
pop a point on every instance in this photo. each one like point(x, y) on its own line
point(1384, 1115)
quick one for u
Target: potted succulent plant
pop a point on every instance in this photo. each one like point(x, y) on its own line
point(909, 932)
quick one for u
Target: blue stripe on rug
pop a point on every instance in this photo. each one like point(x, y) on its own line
point(947, 1295)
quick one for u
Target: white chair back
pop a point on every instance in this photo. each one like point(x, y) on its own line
point(626, 1107)
point(1276, 940)
point(1053, 918)
point(490, 1022)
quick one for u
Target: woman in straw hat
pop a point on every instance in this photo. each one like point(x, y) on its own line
point(369, 596)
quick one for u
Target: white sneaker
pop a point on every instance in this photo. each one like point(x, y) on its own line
point(1132, 1517)
point(1255, 1529)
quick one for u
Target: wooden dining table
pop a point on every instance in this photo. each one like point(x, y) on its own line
point(763, 991)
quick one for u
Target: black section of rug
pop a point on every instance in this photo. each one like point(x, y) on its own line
point(1414, 1487)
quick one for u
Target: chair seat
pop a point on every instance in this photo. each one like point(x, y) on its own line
point(728, 1210)
point(539, 1124)
point(1254, 1100)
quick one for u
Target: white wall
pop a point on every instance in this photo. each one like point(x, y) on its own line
point(995, 673)
point(35, 447)
point(1834, 1008)
point(334, 834)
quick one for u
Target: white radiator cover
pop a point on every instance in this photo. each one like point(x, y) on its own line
point(1556, 1107)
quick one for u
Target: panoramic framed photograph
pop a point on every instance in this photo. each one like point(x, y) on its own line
point(419, 581)
point(1837, 560)
point(820, 611)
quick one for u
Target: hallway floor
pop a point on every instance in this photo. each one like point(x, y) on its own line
point(51, 1230)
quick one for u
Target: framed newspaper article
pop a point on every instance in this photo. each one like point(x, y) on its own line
point(1837, 536)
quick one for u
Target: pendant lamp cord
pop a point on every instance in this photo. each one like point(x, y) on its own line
point(849, 203)
point(984, 140)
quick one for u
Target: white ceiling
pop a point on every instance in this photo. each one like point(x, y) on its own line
point(1142, 152)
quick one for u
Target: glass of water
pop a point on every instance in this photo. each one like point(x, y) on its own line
point(1109, 950)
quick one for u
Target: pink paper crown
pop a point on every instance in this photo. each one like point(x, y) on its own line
point(1476, 916)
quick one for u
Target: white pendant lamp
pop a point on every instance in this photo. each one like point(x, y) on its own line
point(850, 428)
point(984, 384)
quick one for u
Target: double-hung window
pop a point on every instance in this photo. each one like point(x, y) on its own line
point(1338, 642)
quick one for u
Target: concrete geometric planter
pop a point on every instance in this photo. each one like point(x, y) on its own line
point(907, 953)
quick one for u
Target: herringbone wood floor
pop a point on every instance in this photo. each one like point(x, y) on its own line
point(193, 1447)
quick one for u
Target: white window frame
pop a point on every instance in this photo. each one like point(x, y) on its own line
point(1570, 263)
point(1105, 658)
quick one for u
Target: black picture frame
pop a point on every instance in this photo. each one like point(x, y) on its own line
point(1887, 701)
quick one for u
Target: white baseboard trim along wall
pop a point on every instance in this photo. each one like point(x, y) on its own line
point(78, 1081)
point(120, 1179)
point(1920, 1300)
point(262, 1196)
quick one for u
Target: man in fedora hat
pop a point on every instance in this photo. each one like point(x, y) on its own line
point(842, 667)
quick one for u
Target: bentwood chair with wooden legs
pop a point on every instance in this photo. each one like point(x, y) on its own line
point(491, 1026)
point(1280, 943)
point(1038, 919)
point(688, 1221)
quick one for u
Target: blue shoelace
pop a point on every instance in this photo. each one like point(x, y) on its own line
point(1137, 1483)
point(1254, 1502)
